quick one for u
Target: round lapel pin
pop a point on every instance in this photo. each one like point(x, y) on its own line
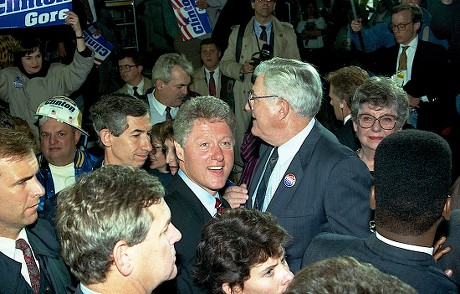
point(289, 180)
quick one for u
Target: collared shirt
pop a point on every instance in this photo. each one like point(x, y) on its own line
point(140, 88)
point(158, 110)
point(258, 30)
point(346, 119)
point(216, 75)
point(422, 249)
point(8, 247)
point(410, 52)
point(286, 153)
point(86, 290)
point(208, 200)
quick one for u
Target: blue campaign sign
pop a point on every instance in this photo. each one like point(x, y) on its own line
point(33, 13)
point(193, 22)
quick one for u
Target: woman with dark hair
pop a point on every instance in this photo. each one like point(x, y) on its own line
point(242, 251)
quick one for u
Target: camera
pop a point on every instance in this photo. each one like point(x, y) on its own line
point(265, 54)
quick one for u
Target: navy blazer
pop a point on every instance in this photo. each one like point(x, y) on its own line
point(415, 268)
point(347, 136)
point(330, 194)
point(189, 216)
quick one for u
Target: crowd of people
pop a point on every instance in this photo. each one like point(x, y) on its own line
point(235, 176)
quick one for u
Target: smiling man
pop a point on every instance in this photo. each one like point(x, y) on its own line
point(203, 133)
point(171, 77)
point(116, 232)
point(123, 124)
point(24, 240)
point(59, 159)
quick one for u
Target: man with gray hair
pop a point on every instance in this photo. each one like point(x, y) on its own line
point(171, 77)
point(304, 176)
point(123, 124)
point(204, 139)
point(116, 232)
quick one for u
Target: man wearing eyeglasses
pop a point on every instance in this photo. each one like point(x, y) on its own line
point(130, 68)
point(421, 68)
point(262, 30)
point(304, 176)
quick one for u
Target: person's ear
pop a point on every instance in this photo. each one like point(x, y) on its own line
point(355, 126)
point(447, 208)
point(372, 201)
point(77, 135)
point(179, 151)
point(106, 137)
point(228, 290)
point(159, 84)
point(284, 108)
point(121, 258)
point(417, 26)
point(140, 68)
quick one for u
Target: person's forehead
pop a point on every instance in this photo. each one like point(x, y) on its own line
point(52, 123)
point(139, 122)
point(34, 53)
point(126, 60)
point(209, 47)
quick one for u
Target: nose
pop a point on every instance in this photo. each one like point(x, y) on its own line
point(52, 139)
point(184, 90)
point(247, 107)
point(37, 188)
point(176, 234)
point(288, 276)
point(217, 153)
point(376, 126)
point(146, 145)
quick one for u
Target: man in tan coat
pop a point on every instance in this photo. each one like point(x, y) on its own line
point(283, 41)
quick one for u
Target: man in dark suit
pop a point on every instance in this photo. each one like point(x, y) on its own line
point(410, 201)
point(317, 184)
point(24, 240)
point(421, 67)
point(204, 139)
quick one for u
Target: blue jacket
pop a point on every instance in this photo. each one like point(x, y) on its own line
point(84, 162)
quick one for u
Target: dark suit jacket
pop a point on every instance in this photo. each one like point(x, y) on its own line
point(415, 268)
point(189, 216)
point(330, 194)
point(452, 259)
point(347, 136)
point(431, 76)
point(54, 276)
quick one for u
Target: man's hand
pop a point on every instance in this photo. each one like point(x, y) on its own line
point(356, 26)
point(247, 67)
point(439, 252)
point(236, 196)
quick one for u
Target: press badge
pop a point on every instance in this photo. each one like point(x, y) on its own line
point(18, 82)
point(398, 77)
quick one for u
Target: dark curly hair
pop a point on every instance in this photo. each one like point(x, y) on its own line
point(233, 243)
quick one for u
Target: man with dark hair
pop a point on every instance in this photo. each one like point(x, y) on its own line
point(203, 138)
point(29, 249)
point(130, 66)
point(116, 232)
point(236, 251)
point(123, 124)
point(410, 200)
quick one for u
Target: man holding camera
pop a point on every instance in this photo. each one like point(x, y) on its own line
point(263, 38)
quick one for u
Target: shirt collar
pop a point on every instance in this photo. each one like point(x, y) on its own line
point(208, 200)
point(8, 246)
point(160, 107)
point(288, 150)
point(427, 250)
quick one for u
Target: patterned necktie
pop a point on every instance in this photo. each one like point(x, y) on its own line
point(32, 267)
point(220, 208)
point(136, 94)
point(212, 84)
point(403, 59)
point(168, 114)
point(262, 190)
point(88, 12)
point(263, 34)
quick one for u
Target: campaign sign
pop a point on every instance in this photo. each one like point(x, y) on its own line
point(192, 21)
point(98, 43)
point(33, 13)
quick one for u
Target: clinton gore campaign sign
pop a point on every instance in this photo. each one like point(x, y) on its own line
point(33, 13)
point(192, 21)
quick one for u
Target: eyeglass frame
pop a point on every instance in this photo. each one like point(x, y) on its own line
point(378, 119)
point(268, 1)
point(126, 67)
point(252, 97)
point(392, 27)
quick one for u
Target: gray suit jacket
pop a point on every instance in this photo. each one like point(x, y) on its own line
point(330, 194)
point(415, 268)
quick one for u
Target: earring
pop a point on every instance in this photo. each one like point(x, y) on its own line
point(372, 226)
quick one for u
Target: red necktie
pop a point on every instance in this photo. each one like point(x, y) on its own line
point(32, 267)
point(263, 34)
point(220, 208)
point(212, 84)
point(168, 114)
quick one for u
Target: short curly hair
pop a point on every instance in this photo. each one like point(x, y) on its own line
point(233, 243)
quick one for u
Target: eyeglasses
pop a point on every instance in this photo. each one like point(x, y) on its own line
point(268, 1)
point(252, 97)
point(386, 122)
point(400, 26)
point(123, 68)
